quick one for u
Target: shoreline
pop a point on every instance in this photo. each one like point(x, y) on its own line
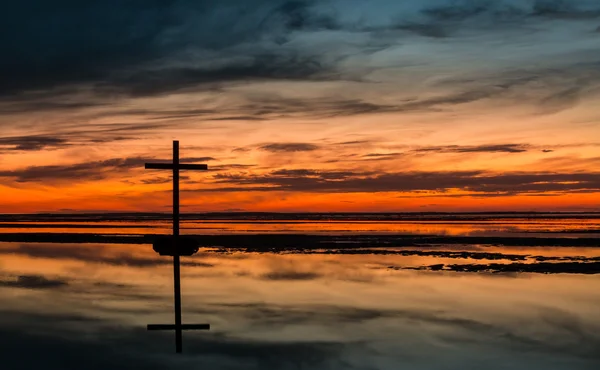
point(306, 241)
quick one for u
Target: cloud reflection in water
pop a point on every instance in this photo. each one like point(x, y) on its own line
point(76, 306)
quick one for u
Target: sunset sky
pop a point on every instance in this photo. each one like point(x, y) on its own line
point(330, 105)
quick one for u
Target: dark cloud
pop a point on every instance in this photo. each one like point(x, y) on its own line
point(43, 102)
point(355, 142)
point(228, 167)
point(162, 180)
point(32, 143)
point(445, 19)
point(491, 148)
point(296, 173)
point(550, 89)
point(160, 46)
point(564, 9)
point(33, 282)
point(380, 156)
point(477, 89)
point(328, 175)
point(427, 30)
point(45, 142)
point(458, 10)
point(121, 47)
point(447, 100)
point(325, 107)
point(196, 159)
point(289, 147)
point(512, 11)
point(96, 170)
point(472, 181)
point(293, 67)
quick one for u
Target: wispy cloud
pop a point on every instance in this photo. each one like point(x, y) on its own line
point(32, 143)
point(441, 182)
point(490, 148)
point(96, 170)
point(289, 147)
point(33, 282)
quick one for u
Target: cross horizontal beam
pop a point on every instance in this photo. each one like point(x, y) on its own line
point(182, 326)
point(169, 166)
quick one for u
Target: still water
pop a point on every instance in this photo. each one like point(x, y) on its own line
point(500, 226)
point(86, 306)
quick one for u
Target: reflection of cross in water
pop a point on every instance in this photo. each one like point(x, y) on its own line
point(176, 166)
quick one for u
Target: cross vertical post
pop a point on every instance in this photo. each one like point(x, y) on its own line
point(176, 262)
point(178, 327)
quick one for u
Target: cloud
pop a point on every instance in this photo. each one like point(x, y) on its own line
point(490, 148)
point(143, 50)
point(380, 156)
point(289, 147)
point(162, 180)
point(261, 67)
point(31, 143)
point(510, 11)
point(196, 159)
point(478, 182)
point(328, 175)
point(355, 142)
point(228, 167)
point(96, 170)
point(33, 282)
point(162, 47)
point(45, 142)
point(561, 9)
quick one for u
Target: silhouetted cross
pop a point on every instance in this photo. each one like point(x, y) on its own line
point(176, 166)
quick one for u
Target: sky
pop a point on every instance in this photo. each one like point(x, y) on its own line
point(324, 105)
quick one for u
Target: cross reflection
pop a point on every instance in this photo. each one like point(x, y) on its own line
point(175, 166)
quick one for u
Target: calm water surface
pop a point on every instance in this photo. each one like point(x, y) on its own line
point(75, 306)
point(514, 226)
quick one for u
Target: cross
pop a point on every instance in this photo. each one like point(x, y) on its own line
point(176, 167)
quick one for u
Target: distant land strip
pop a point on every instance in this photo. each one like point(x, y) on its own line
point(267, 216)
point(73, 226)
point(587, 268)
point(275, 242)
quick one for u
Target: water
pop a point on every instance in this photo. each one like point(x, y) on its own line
point(86, 305)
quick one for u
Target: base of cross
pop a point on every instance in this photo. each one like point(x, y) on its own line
point(182, 327)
